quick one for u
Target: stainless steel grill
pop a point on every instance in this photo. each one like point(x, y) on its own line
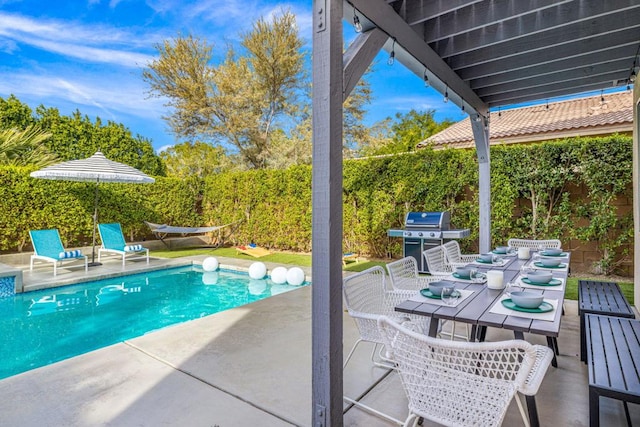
point(425, 230)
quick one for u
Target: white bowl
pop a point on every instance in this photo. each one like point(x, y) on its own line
point(486, 257)
point(550, 262)
point(436, 287)
point(539, 277)
point(526, 299)
point(552, 251)
point(463, 272)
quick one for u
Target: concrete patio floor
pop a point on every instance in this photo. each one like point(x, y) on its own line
point(248, 366)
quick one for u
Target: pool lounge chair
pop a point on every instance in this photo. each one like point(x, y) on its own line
point(113, 241)
point(47, 246)
point(349, 256)
point(253, 250)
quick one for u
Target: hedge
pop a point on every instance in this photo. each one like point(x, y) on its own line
point(566, 189)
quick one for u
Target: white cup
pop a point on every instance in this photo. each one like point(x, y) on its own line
point(495, 279)
point(524, 253)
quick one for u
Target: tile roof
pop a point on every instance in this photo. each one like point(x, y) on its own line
point(575, 117)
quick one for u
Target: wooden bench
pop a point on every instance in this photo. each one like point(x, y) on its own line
point(600, 298)
point(613, 357)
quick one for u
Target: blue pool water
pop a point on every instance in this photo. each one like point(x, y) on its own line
point(42, 327)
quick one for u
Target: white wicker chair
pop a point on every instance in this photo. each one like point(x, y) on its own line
point(436, 262)
point(463, 384)
point(404, 275)
point(454, 257)
point(367, 297)
point(534, 244)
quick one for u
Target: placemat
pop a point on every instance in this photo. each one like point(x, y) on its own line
point(493, 264)
point(464, 294)
point(498, 308)
point(459, 279)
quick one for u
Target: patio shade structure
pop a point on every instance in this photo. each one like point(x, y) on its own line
point(98, 169)
point(479, 54)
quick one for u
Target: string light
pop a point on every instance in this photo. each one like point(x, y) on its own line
point(462, 107)
point(392, 55)
point(426, 79)
point(499, 112)
point(446, 94)
point(547, 104)
point(356, 22)
point(477, 118)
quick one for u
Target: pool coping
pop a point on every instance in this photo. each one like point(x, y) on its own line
point(42, 278)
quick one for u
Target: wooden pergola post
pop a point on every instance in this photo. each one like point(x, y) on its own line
point(327, 214)
point(636, 195)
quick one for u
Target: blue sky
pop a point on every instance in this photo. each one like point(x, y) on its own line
point(89, 55)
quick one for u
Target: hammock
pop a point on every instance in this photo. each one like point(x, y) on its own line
point(162, 230)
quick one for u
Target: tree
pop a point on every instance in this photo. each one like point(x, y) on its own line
point(76, 137)
point(15, 114)
point(408, 130)
point(197, 159)
point(244, 99)
point(25, 147)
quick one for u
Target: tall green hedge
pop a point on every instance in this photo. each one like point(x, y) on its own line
point(567, 189)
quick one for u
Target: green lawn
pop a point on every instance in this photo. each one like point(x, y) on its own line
point(305, 260)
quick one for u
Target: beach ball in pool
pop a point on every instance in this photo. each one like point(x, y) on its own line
point(257, 270)
point(210, 264)
point(279, 275)
point(295, 276)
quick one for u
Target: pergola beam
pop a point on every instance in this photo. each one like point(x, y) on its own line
point(359, 56)
point(387, 20)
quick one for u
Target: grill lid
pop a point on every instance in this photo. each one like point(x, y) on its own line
point(428, 220)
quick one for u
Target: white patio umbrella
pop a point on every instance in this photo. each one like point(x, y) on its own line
point(96, 168)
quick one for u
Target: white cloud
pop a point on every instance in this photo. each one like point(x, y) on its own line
point(8, 46)
point(164, 148)
point(92, 43)
point(111, 96)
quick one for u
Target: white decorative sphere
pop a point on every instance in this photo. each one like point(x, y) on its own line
point(279, 275)
point(257, 270)
point(295, 276)
point(210, 264)
point(256, 287)
point(210, 277)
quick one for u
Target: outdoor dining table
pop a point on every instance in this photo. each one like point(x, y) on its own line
point(475, 309)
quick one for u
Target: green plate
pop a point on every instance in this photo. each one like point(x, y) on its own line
point(552, 282)
point(457, 276)
point(544, 307)
point(427, 293)
point(481, 261)
point(539, 264)
point(498, 252)
point(563, 254)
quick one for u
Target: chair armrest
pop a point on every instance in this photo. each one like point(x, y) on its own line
point(544, 355)
point(468, 258)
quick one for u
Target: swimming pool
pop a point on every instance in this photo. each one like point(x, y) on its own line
point(42, 327)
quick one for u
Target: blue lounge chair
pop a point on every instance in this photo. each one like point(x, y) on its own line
point(113, 241)
point(47, 246)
